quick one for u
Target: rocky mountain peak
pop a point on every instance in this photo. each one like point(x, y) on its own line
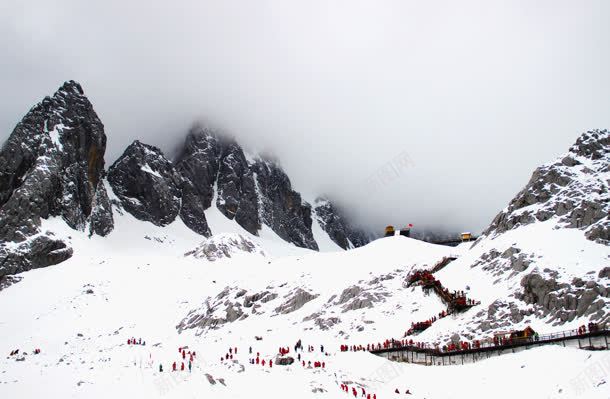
point(594, 145)
point(52, 165)
point(337, 225)
point(573, 190)
point(282, 208)
point(147, 184)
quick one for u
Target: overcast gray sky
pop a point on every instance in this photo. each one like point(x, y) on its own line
point(464, 99)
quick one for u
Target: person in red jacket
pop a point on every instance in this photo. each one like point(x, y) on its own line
point(182, 367)
point(174, 366)
point(270, 363)
point(263, 362)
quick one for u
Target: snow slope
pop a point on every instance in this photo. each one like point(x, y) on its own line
point(138, 283)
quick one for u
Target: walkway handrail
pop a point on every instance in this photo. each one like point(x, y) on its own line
point(490, 345)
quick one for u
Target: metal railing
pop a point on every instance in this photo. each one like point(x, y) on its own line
point(491, 344)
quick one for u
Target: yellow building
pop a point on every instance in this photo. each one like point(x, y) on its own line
point(389, 231)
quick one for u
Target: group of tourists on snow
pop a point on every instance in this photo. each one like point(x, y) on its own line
point(184, 355)
point(345, 388)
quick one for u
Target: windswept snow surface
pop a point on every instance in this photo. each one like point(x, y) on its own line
point(136, 282)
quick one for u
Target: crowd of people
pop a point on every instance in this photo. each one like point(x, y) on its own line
point(184, 354)
point(455, 300)
point(133, 341)
point(345, 388)
point(591, 327)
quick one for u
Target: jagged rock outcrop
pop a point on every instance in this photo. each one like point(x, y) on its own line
point(337, 226)
point(282, 208)
point(102, 220)
point(563, 301)
point(147, 184)
point(542, 270)
point(51, 165)
point(210, 160)
point(237, 197)
point(198, 165)
point(295, 301)
point(574, 190)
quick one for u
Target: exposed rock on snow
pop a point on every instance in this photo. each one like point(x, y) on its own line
point(51, 165)
point(282, 208)
point(355, 297)
point(296, 300)
point(210, 160)
point(102, 220)
point(574, 190)
point(237, 198)
point(7, 281)
point(337, 226)
point(147, 184)
point(40, 250)
point(565, 302)
point(230, 305)
point(225, 245)
point(545, 255)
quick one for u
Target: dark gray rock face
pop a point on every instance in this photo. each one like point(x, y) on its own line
point(282, 208)
point(338, 227)
point(208, 159)
point(41, 250)
point(199, 162)
point(573, 190)
point(147, 184)
point(198, 166)
point(237, 196)
point(51, 165)
point(102, 221)
point(249, 193)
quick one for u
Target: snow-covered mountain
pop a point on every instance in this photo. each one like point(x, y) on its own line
point(216, 250)
point(53, 165)
point(544, 260)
